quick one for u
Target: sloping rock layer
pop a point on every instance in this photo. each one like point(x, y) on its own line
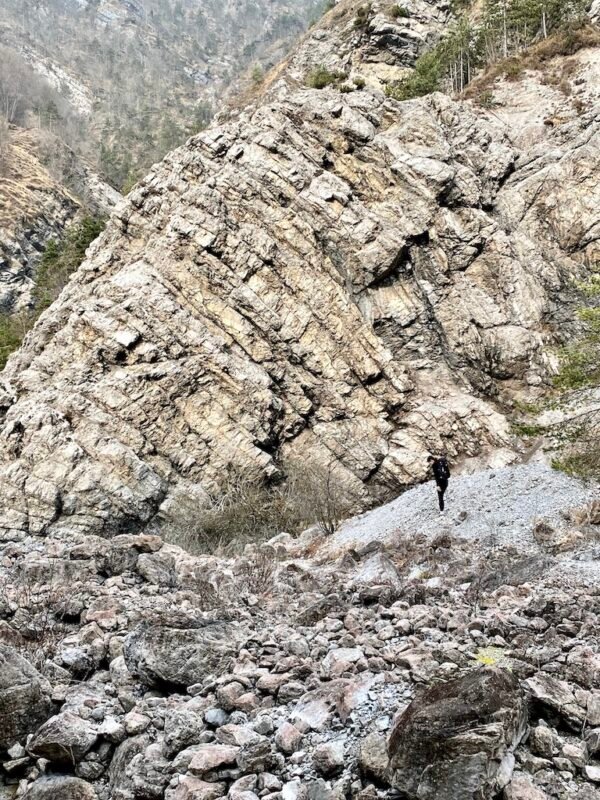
point(333, 277)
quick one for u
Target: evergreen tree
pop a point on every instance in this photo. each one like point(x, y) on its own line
point(504, 29)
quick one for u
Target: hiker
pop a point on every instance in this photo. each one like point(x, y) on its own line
point(441, 473)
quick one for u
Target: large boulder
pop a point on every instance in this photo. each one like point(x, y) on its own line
point(121, 782)
point(59, 787)
point(555, 700)
point(456, 740)
point(161, 655)
point(24, 697)
point(64, 739)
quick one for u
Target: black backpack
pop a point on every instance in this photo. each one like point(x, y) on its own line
point(442, 469)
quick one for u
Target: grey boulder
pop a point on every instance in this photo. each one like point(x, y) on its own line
point(456, 739)
point(63, 739)
point(160, 655)
point(60, 788)
point(24, 697)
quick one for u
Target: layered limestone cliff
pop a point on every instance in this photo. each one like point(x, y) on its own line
point(329, 276)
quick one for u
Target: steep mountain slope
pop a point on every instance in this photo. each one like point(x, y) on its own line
point(146, 74)
point(330, 276)
point(38, 200)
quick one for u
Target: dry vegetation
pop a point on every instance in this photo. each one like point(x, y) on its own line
point(246, 510)
point(538, 58)
point(38, 610)
point(28, 175)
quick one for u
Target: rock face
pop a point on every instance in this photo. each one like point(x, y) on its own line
point(329, 276)
point(24, 697)
point(457, 740)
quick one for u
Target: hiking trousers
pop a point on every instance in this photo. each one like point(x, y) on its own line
point(442, 485)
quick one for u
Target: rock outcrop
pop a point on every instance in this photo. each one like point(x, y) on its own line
point(457, 739)
point(331, 276)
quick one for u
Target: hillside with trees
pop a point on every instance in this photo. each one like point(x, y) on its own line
point(92, 93)
point(125, 82)
point(494, 34)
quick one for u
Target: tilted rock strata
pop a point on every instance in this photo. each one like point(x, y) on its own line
point(335, 278)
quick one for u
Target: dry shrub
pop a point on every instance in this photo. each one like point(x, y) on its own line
point(319, 496)
point(582, 460)
point(256, 573)
point(247, 510)
point(37, 612)
point(586, 515)
point(5, 146)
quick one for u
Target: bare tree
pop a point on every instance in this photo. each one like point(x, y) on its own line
point(4, 147)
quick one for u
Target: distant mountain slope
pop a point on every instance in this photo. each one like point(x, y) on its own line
point(43, 187)
point(95, 92)
point(146, 74)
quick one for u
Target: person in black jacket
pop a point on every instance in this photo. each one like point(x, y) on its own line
point(441, 473)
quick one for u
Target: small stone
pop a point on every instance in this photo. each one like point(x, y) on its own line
point(264, 725)
point(112, 730)
point(17, 751)
point(373, 757)
point(57, 787)
point(228, 694)
point(542, 741)
point(136, 723)
point(576, 753)
point(64, 739)
point(328, 758)
point(592, 738)
point(592, 773)
point(191, 788)
point(521, 787)
point(216, 717)
point(288, 738)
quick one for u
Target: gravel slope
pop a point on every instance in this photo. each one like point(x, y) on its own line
point(499, 503)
